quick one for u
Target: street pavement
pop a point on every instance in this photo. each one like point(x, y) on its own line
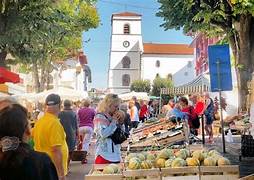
point(78, 170)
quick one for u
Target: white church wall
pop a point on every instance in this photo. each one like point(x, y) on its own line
point(169, 64)
point(185, 74)
point(115, 80)
point(116, 60)
point(118, 41)
point(118, 24)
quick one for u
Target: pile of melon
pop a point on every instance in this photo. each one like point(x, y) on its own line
point(170, 158)
point(109, 169)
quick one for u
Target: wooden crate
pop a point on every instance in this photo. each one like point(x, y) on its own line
point(250, 177)
point(147, 174)
point(181, 173)
point(104, 176)
point(230, 172)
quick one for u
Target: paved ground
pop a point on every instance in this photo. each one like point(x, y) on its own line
point(78, 171)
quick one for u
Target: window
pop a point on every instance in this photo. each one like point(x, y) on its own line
point(126, 80)
point(157, 64)
point(157, 75)
point(126, 62)
point(126, 29)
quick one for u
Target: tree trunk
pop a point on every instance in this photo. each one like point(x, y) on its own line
point(243, 59)
point(36, 77)
point(3, 55)
point(43, 77)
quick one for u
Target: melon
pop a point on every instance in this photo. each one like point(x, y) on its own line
point(134, 163)
point(182, 153)
point(160, 163)
point(150, 157)
point(146, 165)
point(223, 161)
point(115, 167)
point(168, 162)
point(198, 155)
point(141, 157)
point(131, 155)
point(178, 162)
point(97, 173)
point(210, 161)
point(108, 170)
point(213, 152)
point(192, 162)
point(166, 153)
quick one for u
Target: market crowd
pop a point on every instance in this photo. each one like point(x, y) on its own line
point(63, 131)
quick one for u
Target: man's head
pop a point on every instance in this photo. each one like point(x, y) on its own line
point(134, 98)
point(53, 103)
point(67, 104)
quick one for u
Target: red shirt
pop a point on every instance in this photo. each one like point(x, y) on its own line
point(199, 108)
point(143, 111)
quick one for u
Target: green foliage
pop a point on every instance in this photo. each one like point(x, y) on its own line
point(141, 86)
point(159, 83)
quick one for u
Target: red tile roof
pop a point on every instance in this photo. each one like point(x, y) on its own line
point(173, 49)
point(126, 14)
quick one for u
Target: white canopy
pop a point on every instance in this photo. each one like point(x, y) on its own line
point(139, 95)
point(64, 93)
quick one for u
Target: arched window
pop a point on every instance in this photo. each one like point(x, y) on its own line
point(126, 29)
point(157, 75)
point(157, 64)
point(126, 62)
point(126, 80)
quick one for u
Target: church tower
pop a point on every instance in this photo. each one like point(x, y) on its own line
point(125, 51)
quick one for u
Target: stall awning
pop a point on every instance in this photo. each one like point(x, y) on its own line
point(8, 76)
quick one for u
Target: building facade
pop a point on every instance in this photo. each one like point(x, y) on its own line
point(131, 59)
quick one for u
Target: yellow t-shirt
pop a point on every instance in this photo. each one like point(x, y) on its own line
point(49, 132)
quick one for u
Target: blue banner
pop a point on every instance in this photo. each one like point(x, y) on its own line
point(220, 68)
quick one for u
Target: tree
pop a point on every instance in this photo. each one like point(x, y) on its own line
point(159, 83)
point(141, 86)
point(233, 18)
point(45, 31)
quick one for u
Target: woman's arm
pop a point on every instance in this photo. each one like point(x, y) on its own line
point(103, 128)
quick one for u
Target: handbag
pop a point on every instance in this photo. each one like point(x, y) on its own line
point(119, 136)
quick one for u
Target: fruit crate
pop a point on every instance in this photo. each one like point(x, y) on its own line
point(180, 173)
point(142, 174)
point(230, 172)
point(99, 167)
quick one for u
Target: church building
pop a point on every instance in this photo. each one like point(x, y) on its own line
point(131, 59)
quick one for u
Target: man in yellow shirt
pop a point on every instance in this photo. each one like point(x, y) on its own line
point(49, 135)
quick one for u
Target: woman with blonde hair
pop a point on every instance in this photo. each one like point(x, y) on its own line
point(133, 112)
point(105, 124)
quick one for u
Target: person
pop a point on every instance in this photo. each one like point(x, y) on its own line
point(17, 160)
point(143, 113)
point(209, 116)
point(193, 120)
point(175, 115)
point(168, 107)
point(105, 124)
point(133, 112)
point(134, 98)
point(49, 135)
point(127, 119)
point(69, 121)
point(150, 109)
point(86, 116)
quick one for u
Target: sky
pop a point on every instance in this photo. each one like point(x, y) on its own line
point(98, 46)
